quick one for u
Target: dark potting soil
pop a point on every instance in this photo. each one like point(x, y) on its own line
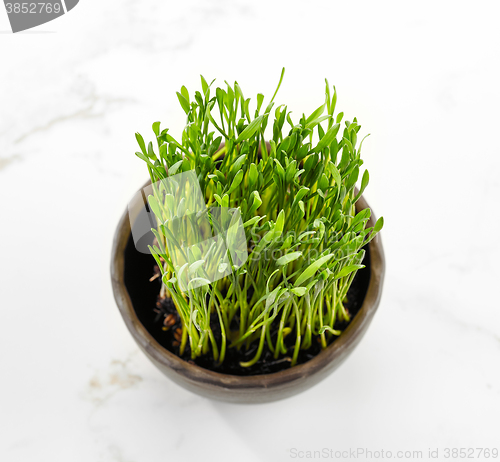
point(161, 320)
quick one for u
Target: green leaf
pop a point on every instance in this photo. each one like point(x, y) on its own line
point(252, 221)
point(360, 217)
point(327, 95)
point(151, 153)
point(181, 208)
point(323, 182)
point(260, 100)
point(311, 162)
point(153, 203)
point(311, 269)
point(279, 84)
point(300, 194)
point(290, 171)
point(191, 284)
point(185, 93)
point(280, 222)
point(379, 225)
point(253, 174)
point(348, 270)
point(364, 184)
point(280, 169)
point(335, 173)
point(238, 163)
point(289, 257)
point(236, 182)
point(204, 85)
point(328, 138)
point(299, 291)
point(287, 243)
point(353, 177)
point(348, 144)
point(301, 206)
point(305, 234)
point(184, 102)
point(142, 145)
point(256, 203)
point(193, 268)
point(317, 121)
point(250, 129)
point(315, 114)
point(173, 169)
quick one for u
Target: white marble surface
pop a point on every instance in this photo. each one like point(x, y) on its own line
point(422, 78)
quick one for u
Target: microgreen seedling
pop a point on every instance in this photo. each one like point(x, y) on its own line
point(293, 183)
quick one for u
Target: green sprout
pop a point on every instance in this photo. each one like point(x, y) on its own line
point(295, 192)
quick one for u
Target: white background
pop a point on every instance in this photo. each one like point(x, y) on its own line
point(422, 78)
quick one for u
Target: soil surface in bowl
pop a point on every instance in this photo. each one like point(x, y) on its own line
point(160, 318)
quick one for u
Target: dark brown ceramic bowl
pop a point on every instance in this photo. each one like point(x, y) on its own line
point(245, 389)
